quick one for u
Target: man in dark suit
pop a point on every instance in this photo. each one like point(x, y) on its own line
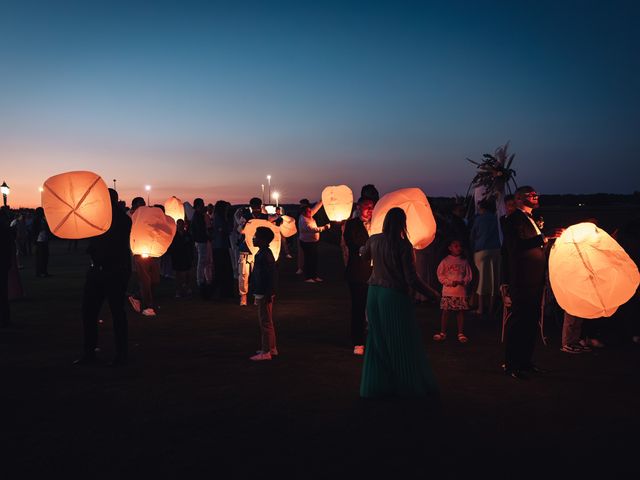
point(358, 271)
point(108, 277)
point(527, 262)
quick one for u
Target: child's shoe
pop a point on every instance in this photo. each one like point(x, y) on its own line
point(358, 350)
point(462, 338)
point(258, 357)
point(439, 337)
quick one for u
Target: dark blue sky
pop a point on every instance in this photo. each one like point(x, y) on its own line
point(202, 98)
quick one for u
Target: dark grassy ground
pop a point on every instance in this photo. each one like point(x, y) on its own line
point(191, 404)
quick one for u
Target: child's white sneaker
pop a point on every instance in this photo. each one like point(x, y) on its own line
point(149, 312)
point(243, 300)
point(358, 350)
point(258, 357)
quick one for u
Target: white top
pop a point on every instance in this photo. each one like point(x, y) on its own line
point(454, 269)
point(308, 229)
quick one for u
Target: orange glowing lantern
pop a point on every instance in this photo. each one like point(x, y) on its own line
point(337, 202)
point(421, 225)
point(250, 230)
point(174, 208)
point(288, 226)
point(152, 232)
point(76, 205)
point(590, 273)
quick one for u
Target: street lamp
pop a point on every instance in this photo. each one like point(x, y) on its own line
point(276, 196)
point(4, 188)
point(269, 182)
point(148, 189)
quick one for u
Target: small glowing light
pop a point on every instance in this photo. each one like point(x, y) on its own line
point(40, 189)
point(145, 255)
point(147, 188)
point(268, 177)
point(276, 195)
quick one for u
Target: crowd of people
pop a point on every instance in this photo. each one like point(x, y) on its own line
point(479, 265)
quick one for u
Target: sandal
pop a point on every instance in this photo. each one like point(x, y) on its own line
point(438, 337)
point(462, 338)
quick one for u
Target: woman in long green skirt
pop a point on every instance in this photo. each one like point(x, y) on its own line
point(395, 362)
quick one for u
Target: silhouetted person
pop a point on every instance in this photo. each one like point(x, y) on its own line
point(6, 257)
point(42, 236)
point(371, 192)
point(527, 263)
point(358, 271)
point(107, 277)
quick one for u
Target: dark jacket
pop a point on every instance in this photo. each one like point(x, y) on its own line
point(198, 228)
point(355, 236)
point(111, 250)
point(394, 267)
point(6, 244)
point(181, 251)
point(525, 254)
point(264, 277)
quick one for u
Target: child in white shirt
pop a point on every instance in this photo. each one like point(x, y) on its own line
point(454, 273)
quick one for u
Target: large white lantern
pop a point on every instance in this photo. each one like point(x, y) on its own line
point(590, 273)
point(337, 202)
point(288, 226)
point(421, 225)
point(174, 208)
point(250, 230)
point(76, 205)
point(152, 232)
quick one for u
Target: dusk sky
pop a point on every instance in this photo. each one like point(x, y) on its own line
point(206, 99)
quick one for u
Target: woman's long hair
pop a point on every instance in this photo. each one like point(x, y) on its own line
point(394, 228)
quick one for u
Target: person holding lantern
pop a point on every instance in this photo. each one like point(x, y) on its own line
point(395, 363)
point(358, 271)
point(107, 277)
point(42, 235)
point(527, 264)
point(309, 234)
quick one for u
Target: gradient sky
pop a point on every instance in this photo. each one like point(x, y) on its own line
point(206, 98)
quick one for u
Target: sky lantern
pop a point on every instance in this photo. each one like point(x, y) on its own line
point(591, 275)
point(337, 202)
point(421, 225)
point(174, 208)
point(288, 226)
point(76, 205)
point(152, 232)
point(250, 230)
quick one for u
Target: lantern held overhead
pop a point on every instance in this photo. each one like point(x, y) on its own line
point(250, 230)
point(152, 232)
point(288, 226)
point(337, 202)
point(76, 204)
point(421, 225)
point(590, 273)
point(174, 208)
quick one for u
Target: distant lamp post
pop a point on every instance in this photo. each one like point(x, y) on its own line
point(4, 188)
point(262, 192)
point(148, 189)
point(41, 189)
point(276, 197)
point(269, 185)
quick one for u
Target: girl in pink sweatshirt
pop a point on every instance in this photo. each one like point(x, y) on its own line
point(454, 273)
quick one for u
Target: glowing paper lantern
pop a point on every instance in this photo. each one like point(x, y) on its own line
point(250, 230)
point(288, 226)
point(591, 275)
point(337, 202)
point(188, 211)
point(174, 208)
point(76, 205)
point(421, 225)
point(152, 232)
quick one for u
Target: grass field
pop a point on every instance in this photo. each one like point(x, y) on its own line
point(191, 404)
